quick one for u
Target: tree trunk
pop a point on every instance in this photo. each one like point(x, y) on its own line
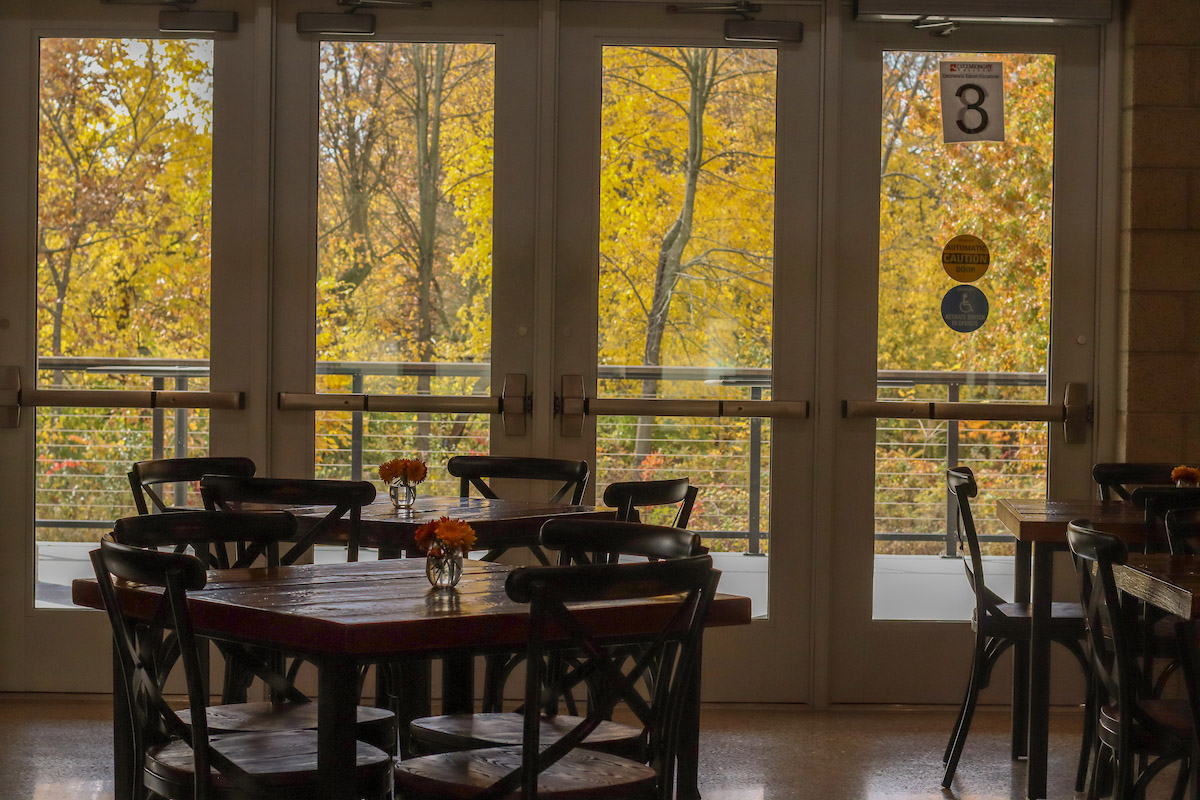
point(699, 65)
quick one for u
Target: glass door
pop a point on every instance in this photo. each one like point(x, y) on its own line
point(402, 312)
point(684, 294)
point(125, 198)
point(975, 273)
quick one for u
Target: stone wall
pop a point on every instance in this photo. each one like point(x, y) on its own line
point(1159, 310)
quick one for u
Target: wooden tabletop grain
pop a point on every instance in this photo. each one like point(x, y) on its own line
point(1047, 520)
point(1171, 583)
point(380, 609)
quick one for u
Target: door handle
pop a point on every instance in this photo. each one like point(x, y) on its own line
point(573, 404)
point(1075, 413)
point(513, 404)
point(14, 397)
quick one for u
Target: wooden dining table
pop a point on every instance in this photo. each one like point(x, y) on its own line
point(340, 616)
point(1040, 530)
point(499, 523)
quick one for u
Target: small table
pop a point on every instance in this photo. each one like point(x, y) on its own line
point(1040, 528)
point(343, 615)
point(498, 523)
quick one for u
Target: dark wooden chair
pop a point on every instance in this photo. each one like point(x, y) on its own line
point(1183, 530)
point(178, 760)
point(476, 470)
point(571, 478)
point(577, 541)
point(564, 767)
point(345, 498)
point(1131, 724)
point(629, 496)
point(998, 625)
point(210, 536)
point(1120, 479)
point(146, 478)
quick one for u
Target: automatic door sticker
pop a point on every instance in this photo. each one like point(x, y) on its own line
point(965, 308)
point(966, 258)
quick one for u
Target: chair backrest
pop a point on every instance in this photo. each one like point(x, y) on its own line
point(147, 477)
point(1111, 624)
point(209, 534)
point(628, 496)
point(584, 541)
point(671, 652)
point(346, 498)
point(1122, 478)
point(474, 470)
point(1183, 531)
point(146, 646)
point(960, 482)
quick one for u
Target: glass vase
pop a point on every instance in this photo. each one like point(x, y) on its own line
point(402, 495)
point(443, 569)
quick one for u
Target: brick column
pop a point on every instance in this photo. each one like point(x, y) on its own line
point(1159, 310)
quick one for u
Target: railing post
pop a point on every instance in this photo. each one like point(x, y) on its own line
point(157, 426)
point(755, 477)
point(356, 430)
point(952, 394)
point(181, 437)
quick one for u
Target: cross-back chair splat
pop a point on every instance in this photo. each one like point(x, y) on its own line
point(345, 498)
point(178, 759)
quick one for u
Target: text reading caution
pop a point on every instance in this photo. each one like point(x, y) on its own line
point(965, 258)
point(972, 101)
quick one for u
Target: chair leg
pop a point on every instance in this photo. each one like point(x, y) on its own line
point(979, 667)
point(1089, 745)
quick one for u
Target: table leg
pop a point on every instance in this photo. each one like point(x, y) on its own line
point(687, 757)
point(1039, 671)
point(1022, 565)
point(458, 684)
point(413, 687)
point(124, 759)
point(337, 681)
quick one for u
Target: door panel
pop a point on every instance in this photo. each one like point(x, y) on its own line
point(127, 194)
point(680, 154)
point(1033, 200)
point(410, 236)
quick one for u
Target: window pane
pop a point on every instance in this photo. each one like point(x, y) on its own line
point(123, 264)
point(404, 241)
point(931, 192)
point(687, 194)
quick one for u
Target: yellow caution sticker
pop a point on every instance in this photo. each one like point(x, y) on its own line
point(965, 258)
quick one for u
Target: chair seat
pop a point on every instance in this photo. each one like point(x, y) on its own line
point(472, 731)
point(286, 761)
point(578, 775)
point(375, 726)
point(1013, 620)
point(1167, 729)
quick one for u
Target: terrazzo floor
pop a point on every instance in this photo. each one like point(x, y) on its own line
point(59, 748)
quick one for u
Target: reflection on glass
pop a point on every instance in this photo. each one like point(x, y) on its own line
point(931, 192)
point(404, 236)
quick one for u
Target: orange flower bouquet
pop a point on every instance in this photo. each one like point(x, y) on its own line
point(1186, 476)
point(446, 541)
point(402, 476)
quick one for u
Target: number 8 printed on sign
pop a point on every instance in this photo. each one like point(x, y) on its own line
point(972, 101)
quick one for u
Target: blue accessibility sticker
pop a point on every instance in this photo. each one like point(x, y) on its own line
point(965, 308)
